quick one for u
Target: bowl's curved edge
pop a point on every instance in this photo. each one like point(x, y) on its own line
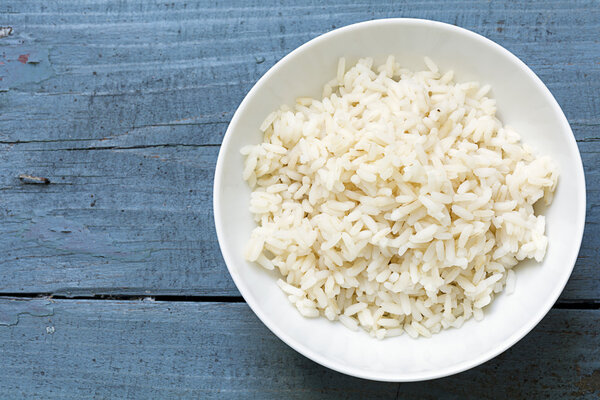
point(580, 221)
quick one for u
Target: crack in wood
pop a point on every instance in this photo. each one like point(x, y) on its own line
point(585, 304)
point(124, 297)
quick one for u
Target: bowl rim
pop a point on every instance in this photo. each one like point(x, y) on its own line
point(422, 375)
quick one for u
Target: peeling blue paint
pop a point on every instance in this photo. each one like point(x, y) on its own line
point(12, 309)
point(21, 65)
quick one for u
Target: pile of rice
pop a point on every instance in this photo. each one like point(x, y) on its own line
point(396, 203)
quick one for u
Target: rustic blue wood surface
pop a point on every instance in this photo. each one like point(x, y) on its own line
point(123, 105)
point(115, 349)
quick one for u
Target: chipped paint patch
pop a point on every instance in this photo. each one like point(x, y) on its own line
point(12, 309)
point(23, 58)
point(5, 31)
point(21, 65)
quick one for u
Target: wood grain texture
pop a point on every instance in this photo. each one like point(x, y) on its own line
point(122, 105)
point(107, 349)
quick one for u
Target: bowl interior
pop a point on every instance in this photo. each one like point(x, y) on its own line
point(523, 102)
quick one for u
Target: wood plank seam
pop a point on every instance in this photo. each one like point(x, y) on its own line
point(584, 304)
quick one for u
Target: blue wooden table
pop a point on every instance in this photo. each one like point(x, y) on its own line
point(111, 281)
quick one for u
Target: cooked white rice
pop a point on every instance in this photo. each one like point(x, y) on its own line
point(397, 203)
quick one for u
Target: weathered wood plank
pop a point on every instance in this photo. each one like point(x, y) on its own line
point(146, 226)
point(121, 106)
point(115, 70)
point(108, 349)
point(145, 222)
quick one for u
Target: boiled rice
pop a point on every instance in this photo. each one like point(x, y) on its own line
point(396, 203)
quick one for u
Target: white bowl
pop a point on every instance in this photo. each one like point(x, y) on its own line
point(523, 102)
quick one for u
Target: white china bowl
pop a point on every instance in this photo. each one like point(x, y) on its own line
point(523, 102)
